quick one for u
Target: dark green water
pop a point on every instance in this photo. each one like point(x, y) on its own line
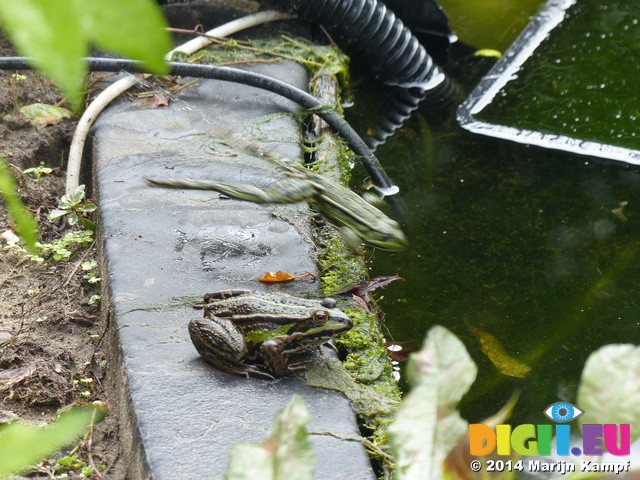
point(519, 244)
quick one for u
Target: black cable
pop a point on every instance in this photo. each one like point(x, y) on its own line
point(236, 75)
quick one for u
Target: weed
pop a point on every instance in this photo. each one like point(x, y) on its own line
point(38, 171)
point(74, 205)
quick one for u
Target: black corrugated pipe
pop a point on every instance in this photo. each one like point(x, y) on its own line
point(375, 38)
point(372, 35)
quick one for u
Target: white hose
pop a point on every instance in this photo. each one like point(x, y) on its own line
point(114, 90)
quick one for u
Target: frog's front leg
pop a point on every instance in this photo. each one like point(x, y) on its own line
point(222, 344)
point(272, 353)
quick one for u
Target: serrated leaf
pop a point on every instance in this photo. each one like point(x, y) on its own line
point(73, 198)
point(286, 454)
point(88, 207)
point(134, 28)
point(26, 225)
point(427, 425)
point(609, 389)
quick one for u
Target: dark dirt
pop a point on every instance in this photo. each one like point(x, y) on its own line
point(52, 351)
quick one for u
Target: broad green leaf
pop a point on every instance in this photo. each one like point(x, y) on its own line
point(609, 389)
point(58, 34)
point(134, 28)
point(286, 454)
point(88, 224)
point(22, 445)
point(427, 425)
point(26, 225)
point(51, 33)
point(43, 114)
point(55, 214)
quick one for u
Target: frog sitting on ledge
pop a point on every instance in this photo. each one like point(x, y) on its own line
point(251, 333)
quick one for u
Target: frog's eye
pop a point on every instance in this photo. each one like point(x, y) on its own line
point(320, 317)
point(328, 302)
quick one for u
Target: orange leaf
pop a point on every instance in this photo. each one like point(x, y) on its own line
point(276, 277)
point(280, 276)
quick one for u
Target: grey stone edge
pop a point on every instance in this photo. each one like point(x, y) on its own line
point(163, 249)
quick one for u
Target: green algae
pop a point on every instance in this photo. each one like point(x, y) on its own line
point(316, 58)
point(365, 375)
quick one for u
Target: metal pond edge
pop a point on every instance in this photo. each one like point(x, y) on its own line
point(550, 16)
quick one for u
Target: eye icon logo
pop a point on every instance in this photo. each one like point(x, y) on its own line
point(562, 412)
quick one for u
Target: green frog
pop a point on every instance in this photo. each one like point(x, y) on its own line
point(250, 333)
point(357, 220)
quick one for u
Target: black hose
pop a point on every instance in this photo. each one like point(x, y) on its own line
point(370, 162)
point(380, 43)
point(372, 35)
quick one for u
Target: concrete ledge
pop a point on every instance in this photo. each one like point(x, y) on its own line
point(164, 249)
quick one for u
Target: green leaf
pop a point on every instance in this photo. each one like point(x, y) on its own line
point(87, 207)
point(134, 28)
point(427, 425)
point(286, 454)
point(57, 35)
point(23, 445)
point(88, 224)
point(43, 114)
point(51, 33)
point(609, 389)
point(27, 227)
point(56, 213)
point(72, 219)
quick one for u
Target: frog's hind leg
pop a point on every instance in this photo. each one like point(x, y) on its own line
point(221, 344)
point(289, 190)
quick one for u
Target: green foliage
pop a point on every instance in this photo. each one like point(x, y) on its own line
point(286, 454)
point(95, 300)
point(57, 35)
point(23, 445)
point(610, 387)
point(15, 78)
point(60, 251)
point(38, 171)
point(427, 425)
point(74, 205)
point(90, 276)
point(26, 225)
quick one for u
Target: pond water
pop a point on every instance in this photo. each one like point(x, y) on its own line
point(532, 258)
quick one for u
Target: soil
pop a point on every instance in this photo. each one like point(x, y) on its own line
point(52, 351)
